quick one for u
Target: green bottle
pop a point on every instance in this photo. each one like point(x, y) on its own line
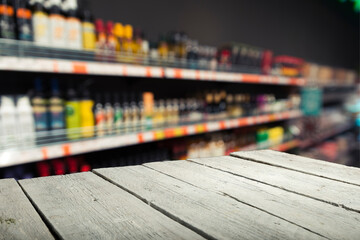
point(118, 115)
point(72, 115)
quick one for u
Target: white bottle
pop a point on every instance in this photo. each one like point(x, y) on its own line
point(1, 133)
point(56, 24)
point(73, 34)
point(8, 122)
point(25, 120)
point(40, 22)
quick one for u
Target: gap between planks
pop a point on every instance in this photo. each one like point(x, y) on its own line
point(308, 165)
point(98, 208)
point(238, 200)
point(163, 211)
point(281, 184)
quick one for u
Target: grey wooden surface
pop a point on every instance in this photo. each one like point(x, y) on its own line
point(326, 190)
point(315, 167)
point(311, 214)
point(85, 206)
point(250, 195)
point(217, 216)
point(18, 218)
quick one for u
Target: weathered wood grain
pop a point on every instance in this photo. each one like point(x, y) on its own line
point(18, 218)
point(325, 219)
point(311, 166)
point(216, 216)
point(333, 192)
point(85, 206)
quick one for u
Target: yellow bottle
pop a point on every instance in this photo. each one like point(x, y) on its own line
point(88, 31)
point(87, 121)
point(119, 34)
point(128, 35)
point(127, 44)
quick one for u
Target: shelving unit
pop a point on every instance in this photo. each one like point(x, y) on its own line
point(12, 157)
point(18, 56)
point(27, 57)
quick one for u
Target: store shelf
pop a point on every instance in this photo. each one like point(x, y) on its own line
point(15, 156)
point(49, 65)
point(189, 74)
point(322, 137)
point(285, 146)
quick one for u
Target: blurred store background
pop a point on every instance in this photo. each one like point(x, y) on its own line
point(89, 84)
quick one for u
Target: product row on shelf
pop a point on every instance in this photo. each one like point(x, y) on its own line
point(326, 76)
point(69, 24)
point(223, 143)
point(54, 116)
point(213, 144)
point(49, 150)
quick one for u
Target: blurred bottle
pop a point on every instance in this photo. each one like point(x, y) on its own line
point(73, 115)
point(266, 62)
point(118, 115)
point(213, 61)
point(145, 50)
point(183, 49)
point(25, 119)
point(209, 109)
point(56, 24)
point(23, 21)
point(72, 164)
point(58, 167)
point(100, 117)
point(128, 43)
point(110, 42)
point(56, 108)
point(119, 35)
point(148, 98)
point(126, 114)
point(86, 113)
point(163, 49)
point(100, 40)
point(154, 53)
point(73, 34)
point(128, 35)
point(192, 54)
point(109, 115)
point(137, 41)
point(8, 122)
point(134, 113)
point(158, 117)
point(222, 105)
point(43, 169)
point(40, 107)
point(7, 24)
point(87, 28)
point(40, 22)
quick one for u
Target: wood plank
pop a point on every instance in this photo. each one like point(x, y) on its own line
point(85, 206)
point(325, 219)
point(333, 192)
point(18, 218)
point(311, 166)
point(216, 216)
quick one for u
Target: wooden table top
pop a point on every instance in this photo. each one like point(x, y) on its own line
point(249, 195)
